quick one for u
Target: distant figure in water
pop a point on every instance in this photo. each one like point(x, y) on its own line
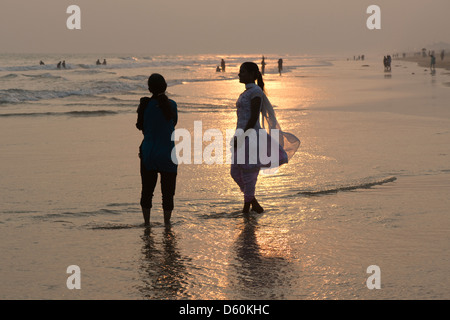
point(222, 63)
point(157, 118)
point(433, 62)
point(42, 63)
point(263, 65)
point(251, 103)
point(98, 62)
point(104, 62)
point(64, 64)
point(280, 66)
point(387, 63)
point(59, 65)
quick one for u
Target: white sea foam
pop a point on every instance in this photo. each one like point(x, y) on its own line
point(99, 87)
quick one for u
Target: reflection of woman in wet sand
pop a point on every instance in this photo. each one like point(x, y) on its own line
point(259, 276)
point(162, 268)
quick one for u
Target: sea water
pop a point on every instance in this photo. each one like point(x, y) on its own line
point(369, 184)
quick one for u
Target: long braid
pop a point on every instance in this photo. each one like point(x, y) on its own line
point(157, 85)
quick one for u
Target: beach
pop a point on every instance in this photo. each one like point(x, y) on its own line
point(425, 62)
point(368, 186)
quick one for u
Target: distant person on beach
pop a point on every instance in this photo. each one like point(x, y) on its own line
point(433, 62)
point(387, 63)
point(280, 66)
point(250, 104)
point(64, 64)
point(59, 65)
point(41, 63)
point(98, 62)
point(218, 69)
point(263, 65)
point(104, 62)
point(442, 54)
point(157, 118)
point(222, 64)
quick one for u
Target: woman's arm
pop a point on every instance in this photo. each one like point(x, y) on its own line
point(175, 113)
point(255, 105)
point(140, 111)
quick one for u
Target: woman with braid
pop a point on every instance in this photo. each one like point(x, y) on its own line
point(252, 104)
point(157, 117)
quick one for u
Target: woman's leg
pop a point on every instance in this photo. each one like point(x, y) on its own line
point(168, 184)
point(236, 174)
point(246, 181)
point(149, 179)
point(249, 178)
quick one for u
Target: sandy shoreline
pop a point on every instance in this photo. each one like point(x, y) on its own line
point(425, 61)
point(71, 197)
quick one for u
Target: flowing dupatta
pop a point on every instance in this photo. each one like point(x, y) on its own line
point(288, 143)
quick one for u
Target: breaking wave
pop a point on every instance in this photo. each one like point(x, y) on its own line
point(98, 87)
point(85, 113)
point(359, 185)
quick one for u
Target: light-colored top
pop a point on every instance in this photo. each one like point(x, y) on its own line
point(286, 143)
point(157, 146)
point(244, 105)
point(249, 149)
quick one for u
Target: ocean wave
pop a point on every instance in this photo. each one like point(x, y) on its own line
point(28, 68)
point(169, 61)
point(43, 76)
point(315, 65)
point(83, 113)
point(135, 78)
point(96, 87)
point(130, 65)
point(124, 84)
point(129, 58)
point(92, 71)
point(67, 214)
point(113, 226)
point(76, 66)
point(186, 107)
point(220, 78)
point(9, 76)
point(364, 184)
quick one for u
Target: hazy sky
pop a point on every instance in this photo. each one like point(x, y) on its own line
point(228, 26)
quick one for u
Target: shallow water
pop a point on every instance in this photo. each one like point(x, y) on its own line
point(368, 186)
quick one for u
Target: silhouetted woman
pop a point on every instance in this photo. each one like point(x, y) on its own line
point(157, 117)
point(251, 104)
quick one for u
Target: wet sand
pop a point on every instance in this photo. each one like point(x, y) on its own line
point(70, 196)
point(426, 61)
